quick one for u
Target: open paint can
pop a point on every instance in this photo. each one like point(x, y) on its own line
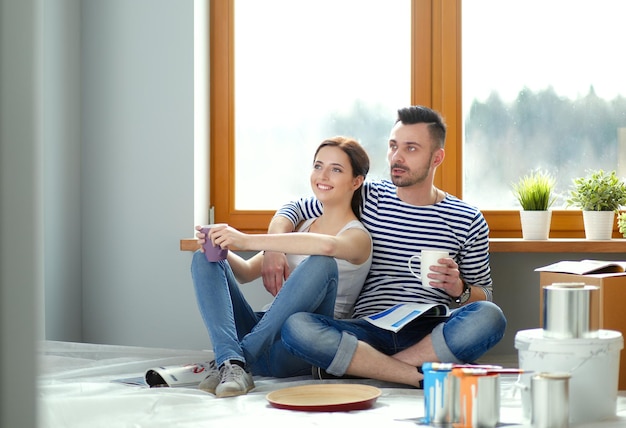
point(437, 391)
point(478, 398)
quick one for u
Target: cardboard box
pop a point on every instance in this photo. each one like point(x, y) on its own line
point(607, 313)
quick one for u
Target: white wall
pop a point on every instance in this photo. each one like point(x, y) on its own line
point(115, 96)
point(137, 173)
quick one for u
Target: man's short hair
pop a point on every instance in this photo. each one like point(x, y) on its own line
point(420, 114)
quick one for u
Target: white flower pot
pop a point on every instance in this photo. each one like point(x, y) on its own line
point(598, 224)
point(535, 224)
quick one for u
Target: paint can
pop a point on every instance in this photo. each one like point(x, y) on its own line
point(567, 310)
point(439, 393)
point(478, 398)
point(549, 400)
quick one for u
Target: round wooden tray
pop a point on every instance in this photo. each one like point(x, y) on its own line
point(325, 397)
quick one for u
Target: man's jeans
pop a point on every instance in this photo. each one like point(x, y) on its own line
point(330, 344)
point(239, 333)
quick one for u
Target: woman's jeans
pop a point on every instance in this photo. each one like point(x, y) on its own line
point(239, 333)
point(330, 344)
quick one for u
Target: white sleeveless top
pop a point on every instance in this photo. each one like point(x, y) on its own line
point(351, 276)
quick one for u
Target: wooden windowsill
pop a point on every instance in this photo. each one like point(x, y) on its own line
point(189, 244)
point(519, 245)
point(556, 245)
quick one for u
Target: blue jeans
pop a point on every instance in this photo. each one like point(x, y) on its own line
point(237, 332)
point(330, 344)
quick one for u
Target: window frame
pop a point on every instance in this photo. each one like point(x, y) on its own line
point(436, 67)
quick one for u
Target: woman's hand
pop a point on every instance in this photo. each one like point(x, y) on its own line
point(201, 237)
point(275, 271)
point(228, 237)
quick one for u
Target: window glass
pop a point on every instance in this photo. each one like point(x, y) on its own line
point(306, 71)
point(543, 88)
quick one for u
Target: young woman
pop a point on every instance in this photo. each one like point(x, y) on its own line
point(329, 258)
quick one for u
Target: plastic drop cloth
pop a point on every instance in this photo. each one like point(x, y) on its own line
point(91, 385)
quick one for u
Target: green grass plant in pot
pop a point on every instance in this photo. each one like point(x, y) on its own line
point(599, 195)
point(535, 193)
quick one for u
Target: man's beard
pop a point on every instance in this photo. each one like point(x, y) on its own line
point(411, 178)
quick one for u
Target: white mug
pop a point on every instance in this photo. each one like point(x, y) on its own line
point(427, 258)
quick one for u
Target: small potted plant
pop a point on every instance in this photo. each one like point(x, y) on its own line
point(599, 195)
point(535, 193)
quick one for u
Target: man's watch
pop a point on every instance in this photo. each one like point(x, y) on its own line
point(465, 295)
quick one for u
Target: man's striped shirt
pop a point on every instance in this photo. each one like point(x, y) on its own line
point(399, 231)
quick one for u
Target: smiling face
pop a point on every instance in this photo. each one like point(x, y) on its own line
point(412, 155)
point(332, 178)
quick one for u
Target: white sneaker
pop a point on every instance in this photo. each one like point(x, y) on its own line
point(211, 380)
point(234, 381)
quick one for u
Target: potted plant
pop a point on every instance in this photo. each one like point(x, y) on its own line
point(599, 195)
point(534, 192)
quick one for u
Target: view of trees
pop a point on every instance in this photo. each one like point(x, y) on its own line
point(502, 142)
point(539, 130)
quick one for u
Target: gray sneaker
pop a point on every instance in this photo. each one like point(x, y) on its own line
point(234, 381)
point(211, 380)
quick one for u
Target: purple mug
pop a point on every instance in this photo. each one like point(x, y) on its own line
point(213, 253)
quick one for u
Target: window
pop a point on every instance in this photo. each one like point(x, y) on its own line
point(542, 89)
point(308, 71)
point(233, 164)
point(540, 93)
point(435, 80)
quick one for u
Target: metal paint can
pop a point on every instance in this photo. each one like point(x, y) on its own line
point(478, 398)
point(550, 400)
point(438, 393)
point(567, 310)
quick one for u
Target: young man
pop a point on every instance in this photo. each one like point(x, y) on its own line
point(403, 216)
